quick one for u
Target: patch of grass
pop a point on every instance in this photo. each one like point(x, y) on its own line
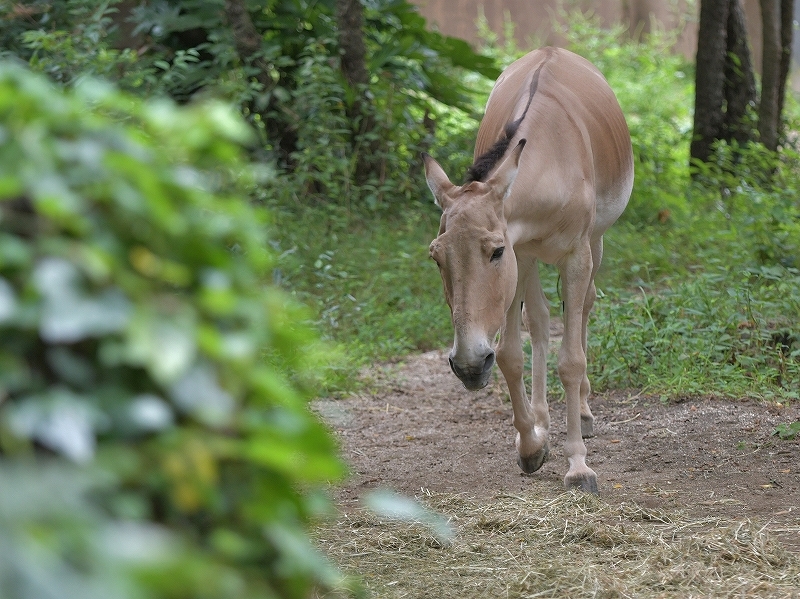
point(724, 331)
point(514, 546)
point(374, 291)
point(695, 309)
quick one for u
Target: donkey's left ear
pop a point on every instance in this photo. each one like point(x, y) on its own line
point(438, 181)
point(504, 176)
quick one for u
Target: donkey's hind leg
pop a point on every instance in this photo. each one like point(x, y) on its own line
point(587, 419)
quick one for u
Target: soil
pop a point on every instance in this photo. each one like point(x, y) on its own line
point(419, 429)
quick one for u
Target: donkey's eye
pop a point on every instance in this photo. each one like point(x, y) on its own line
point(497, 254)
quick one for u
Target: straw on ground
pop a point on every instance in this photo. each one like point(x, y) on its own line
point(573, 545)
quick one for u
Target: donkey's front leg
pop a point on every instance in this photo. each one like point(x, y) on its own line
point(532, 429)
point(576, 272)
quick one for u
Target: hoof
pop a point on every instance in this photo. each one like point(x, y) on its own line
point(587, 426)
point(585, 481)
point(532, 463)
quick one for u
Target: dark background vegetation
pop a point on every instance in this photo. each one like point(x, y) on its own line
point(213, 211)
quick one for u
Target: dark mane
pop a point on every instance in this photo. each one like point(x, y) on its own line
point(489, 159)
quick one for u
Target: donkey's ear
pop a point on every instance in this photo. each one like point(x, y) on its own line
point(437, 181)
point(504, 176)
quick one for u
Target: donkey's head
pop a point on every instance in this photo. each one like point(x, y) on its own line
point(477, 263)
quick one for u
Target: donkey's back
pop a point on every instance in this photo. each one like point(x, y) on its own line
point(563, 106)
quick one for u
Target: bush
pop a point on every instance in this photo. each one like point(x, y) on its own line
point(154, 434)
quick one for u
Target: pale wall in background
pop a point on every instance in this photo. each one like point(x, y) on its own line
point(533, 19)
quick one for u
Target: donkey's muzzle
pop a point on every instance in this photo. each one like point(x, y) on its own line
point(473, 377)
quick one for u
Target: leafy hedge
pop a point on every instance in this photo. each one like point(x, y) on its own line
point(154, 433)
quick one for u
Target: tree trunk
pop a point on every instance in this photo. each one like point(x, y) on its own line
point(725, 87)
point(246, 38)
point(740, 82)
point(787, 29)
point(769, 108)
point(350, 20)
point(710, 77)
point(282, 133)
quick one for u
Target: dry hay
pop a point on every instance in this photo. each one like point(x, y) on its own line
point(573, 545)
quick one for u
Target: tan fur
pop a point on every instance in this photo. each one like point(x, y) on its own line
point(566, 178)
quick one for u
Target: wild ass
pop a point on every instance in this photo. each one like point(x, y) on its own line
point(565, 181)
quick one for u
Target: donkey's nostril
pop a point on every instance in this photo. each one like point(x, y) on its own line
point(489, 362)
point(453, 367)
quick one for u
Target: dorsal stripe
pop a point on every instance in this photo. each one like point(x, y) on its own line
point(487, 161)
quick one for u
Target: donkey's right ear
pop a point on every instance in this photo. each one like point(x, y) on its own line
point(438, 182)
point(504, 176)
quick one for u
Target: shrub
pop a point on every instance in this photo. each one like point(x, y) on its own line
point(154, 434)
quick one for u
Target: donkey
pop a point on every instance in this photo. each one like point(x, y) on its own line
point(553, 170)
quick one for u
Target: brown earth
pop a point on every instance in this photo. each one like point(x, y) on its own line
point(418, 428)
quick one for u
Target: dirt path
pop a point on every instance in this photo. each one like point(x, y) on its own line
point(418, 428)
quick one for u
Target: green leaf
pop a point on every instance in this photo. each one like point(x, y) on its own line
point(787, 431)
point(198, 393)
point(60, 420)
point(8, 301)
point(390, 505)
point(69, 315)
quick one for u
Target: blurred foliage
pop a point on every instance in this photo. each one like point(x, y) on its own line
point(154, 434)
